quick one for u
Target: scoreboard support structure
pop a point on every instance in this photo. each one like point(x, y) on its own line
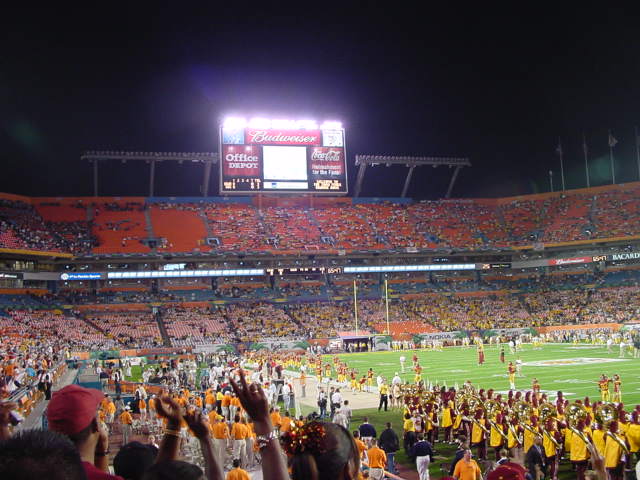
point(151, 158)
point(363, 161)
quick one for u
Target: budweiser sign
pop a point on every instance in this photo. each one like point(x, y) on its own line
point(282, 137)
point(569, 261)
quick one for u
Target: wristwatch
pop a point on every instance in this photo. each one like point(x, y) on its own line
point(263, 440)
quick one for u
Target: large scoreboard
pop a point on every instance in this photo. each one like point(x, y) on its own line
point(276, 156)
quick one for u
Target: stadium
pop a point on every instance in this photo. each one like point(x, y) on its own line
point(551, 277)
point(290, 323)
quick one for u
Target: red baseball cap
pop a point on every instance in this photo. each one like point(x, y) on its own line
point(508, 471)
point(72, 408)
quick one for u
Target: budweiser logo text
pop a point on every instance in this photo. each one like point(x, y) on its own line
point(274, 136)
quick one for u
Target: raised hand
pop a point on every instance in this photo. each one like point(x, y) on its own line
point(197, 423)
point(255, 403)
point(168, 408)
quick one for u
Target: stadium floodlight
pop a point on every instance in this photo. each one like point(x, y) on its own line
point(234, 122)
point(259, 122)
point(307, 124)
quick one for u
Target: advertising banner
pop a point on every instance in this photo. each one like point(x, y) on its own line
point(569, 261)
point(326, 161)
point(282, 137)
point(241, 160)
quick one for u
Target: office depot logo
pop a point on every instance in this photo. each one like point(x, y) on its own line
point(241, 160)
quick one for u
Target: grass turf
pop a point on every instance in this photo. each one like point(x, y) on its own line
point(574, 369)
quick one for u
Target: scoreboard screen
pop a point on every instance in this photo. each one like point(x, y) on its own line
point(276, 156)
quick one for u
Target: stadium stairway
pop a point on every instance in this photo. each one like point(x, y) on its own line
point(163, 329)
point(207, 227)
point(148, 224)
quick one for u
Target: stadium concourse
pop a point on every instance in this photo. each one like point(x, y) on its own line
point(118, 294)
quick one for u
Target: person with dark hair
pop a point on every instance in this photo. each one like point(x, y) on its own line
point(390, 443)
point(423, 454)
point(174, 470)
point(239, 434)
point(367, 431)
point(40, 454)
point(321, 450)
point(237, 473)
point(72, 412)
point(134, 459)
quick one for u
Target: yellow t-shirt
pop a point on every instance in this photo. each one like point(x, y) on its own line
point(598, 440)
point(467, 470)
point(579, 451)
point(377, 457)
point(549, 447)
point(237, 474)
point(495, 439)
point(408, 425)
point(446, 418)
point(633, 437)
point(612, 452)
point(220, 430)
point(361, 447)
point(477, 432)
point(239, 431)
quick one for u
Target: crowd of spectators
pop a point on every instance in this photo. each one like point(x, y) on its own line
point(460, 224)
point(21, 226)
point(134, 329)
point(196, 325)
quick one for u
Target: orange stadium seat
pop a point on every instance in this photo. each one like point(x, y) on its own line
point(120, 231)
point(183, 228)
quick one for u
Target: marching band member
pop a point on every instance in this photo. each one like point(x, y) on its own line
point(478, 434)
point(579, 453)
point(615, 450)
point(551, 444)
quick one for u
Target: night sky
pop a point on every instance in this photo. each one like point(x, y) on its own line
point(498, 85)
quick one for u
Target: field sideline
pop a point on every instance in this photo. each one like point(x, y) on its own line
point(574, 369)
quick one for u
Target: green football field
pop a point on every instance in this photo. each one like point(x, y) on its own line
point(574, 369)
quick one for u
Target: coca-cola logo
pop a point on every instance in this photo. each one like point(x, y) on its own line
point(328, 156)
point(282, 137)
